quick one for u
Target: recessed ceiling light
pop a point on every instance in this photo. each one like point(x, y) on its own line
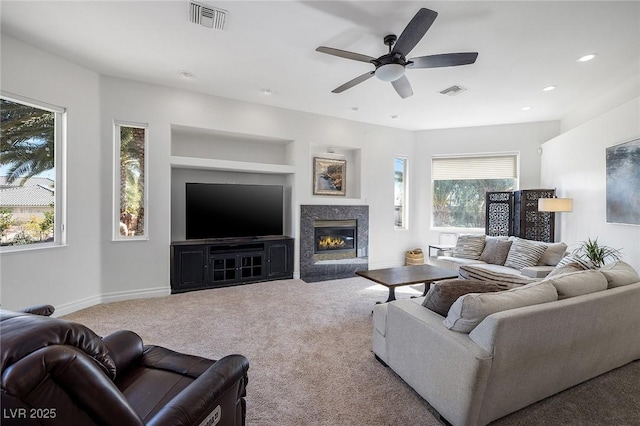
point(185, 74)
point(527, 108)
point(355, 109)
point(266, 91)
point(587, 58)
point(394, 117)
point(549, 88)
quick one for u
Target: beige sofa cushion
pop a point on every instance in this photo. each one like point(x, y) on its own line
point(553, 253)
point(619, 273)
point(469, 310)
point(574, 284)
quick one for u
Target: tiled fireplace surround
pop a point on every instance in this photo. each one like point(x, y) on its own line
point(314, 267)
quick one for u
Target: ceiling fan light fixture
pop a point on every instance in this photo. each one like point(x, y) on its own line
point(390, 72)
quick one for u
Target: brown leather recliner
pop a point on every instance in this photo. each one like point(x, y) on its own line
point(56, 372)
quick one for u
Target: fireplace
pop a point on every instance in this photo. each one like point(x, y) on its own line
point(336, 239)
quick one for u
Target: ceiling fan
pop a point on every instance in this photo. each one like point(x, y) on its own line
point(391, 67)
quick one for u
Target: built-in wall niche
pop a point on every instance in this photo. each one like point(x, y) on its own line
point(193, 147)
point(353, 158)
point(180, 176)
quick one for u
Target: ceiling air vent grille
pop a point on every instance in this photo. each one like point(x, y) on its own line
point(207, 16)
point(453, 90)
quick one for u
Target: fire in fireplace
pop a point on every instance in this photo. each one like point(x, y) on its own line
point(337, 237)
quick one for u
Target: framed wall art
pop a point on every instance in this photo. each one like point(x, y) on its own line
point(623, 181)
point(329, 176)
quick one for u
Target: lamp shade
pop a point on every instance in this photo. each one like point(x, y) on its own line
point(555, 204)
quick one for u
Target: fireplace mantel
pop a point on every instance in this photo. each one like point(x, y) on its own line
point(318, 267)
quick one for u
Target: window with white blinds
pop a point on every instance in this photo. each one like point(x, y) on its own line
point(485, 167)
point(460, 184)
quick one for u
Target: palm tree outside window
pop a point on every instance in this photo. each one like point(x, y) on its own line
point(130, 189)
point(31, 173)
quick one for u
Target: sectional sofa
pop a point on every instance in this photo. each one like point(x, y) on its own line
point(484, 257)
point(497, 352)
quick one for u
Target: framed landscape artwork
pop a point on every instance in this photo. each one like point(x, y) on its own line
point(623, 181)
point(329, 176)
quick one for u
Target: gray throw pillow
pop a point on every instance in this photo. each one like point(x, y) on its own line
point(495, 251)
point(442, 294)
point(469, 246)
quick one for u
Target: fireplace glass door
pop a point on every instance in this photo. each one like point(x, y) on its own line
point(335, 237)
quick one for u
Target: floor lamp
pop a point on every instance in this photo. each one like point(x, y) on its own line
point(555, 205)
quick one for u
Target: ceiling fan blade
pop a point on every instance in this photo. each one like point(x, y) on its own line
point(443, 60)
point(351, 83)
point(403, 87)
point(345, 54)
point(415, 30)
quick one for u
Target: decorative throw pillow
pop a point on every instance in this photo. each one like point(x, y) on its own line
point(481, 273)
point(571, 258)
point(469, 246)
point(578, 283)
point(619, 273)
point(495, 251)
point(565, 269)
point(442, 294)
point(470, 309)
point(523, 254)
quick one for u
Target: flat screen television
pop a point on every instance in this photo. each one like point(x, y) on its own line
point(233, 210)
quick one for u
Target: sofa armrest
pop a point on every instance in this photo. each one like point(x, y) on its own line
point(125, 347)
point(445, 367)
point(217, 394)
point(536, 271)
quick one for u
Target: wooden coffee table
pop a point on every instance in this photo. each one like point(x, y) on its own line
point(407, 275)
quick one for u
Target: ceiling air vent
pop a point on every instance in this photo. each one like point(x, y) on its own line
point(207, 16)
point(453, 90)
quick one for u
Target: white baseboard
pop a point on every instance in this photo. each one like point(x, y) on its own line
point(384, 265)
point(117, 296)
point(76, 305)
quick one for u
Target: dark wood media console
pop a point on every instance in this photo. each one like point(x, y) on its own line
point(203, 264)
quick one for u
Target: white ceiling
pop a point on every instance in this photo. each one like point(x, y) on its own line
point(523, 47)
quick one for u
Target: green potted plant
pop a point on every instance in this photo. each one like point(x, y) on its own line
point(597, 254)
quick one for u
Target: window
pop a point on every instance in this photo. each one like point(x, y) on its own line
point(460, 185)
point(31, 173)
point(400, 193)
point(130, 188)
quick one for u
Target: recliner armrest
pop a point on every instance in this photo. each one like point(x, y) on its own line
point(221, 385)
point(125, 347)
point(42, 310)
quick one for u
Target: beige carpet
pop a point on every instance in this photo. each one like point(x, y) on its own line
point(309, 346)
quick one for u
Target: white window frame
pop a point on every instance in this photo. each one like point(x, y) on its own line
point(405, 206)
point(60, 156)
point(117, 124)
point(461, 230)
